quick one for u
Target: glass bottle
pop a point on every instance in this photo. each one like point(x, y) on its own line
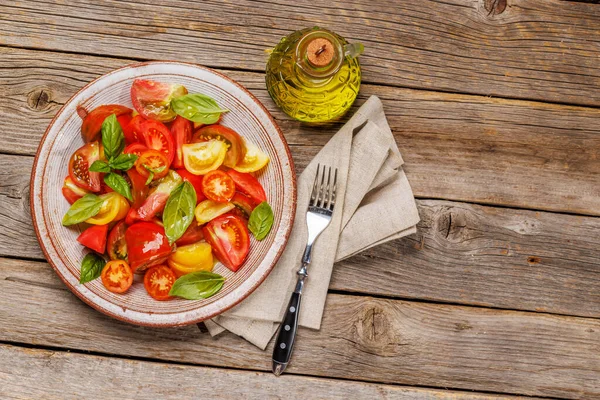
point(314, 74)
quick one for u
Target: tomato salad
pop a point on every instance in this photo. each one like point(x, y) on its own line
point(163, 190)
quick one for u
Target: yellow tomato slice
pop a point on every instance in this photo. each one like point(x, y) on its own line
point(191, 258)
point(208, 209)
point(114, 208)
point(203, 157)
point(254, 159)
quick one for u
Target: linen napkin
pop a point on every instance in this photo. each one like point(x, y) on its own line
point(374, 204)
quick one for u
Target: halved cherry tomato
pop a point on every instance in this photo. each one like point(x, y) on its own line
point(191, 258)
point(152, 99)
point(72, 192)
point(254, 159)
point(201, 158)
point(181, 129)
point(209, 209)
point(152, 160)
point(92, 123)
point(114, 208)
point(79, 166)
point(249, 185)
point(229, 239)
point(117, 276)
point(94, 238)
point(116, 244)
point(147, 245)
point(195, 180)
point(139, 190)
point(157, 137)
point(133, 130)
point(191, 235)
point(236, 149)
point(237, 212)
point(135, 148)
point(244, 203)
point(158, 282)
point(218, 186)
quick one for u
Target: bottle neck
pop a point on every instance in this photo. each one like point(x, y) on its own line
point(319, 55)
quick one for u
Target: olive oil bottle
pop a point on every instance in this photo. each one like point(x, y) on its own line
point(314, 74)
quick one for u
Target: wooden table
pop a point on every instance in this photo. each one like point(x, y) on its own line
point(494, 104)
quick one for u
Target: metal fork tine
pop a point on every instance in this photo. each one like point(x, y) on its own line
point(329, 189)
point(333, 191)
point(314, 194)
point(321, 197)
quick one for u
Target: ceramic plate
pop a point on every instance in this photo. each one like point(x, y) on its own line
point(247, 116)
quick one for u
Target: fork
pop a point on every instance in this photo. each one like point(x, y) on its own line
point(318, 217)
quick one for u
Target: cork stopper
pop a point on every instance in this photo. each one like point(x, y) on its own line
point(320, 52)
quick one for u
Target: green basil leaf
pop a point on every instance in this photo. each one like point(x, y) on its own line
point(122, 162)
point(261, 220)
point(117, 183)
point(113, 139)
point(91, 267)
point(179, 211)
point(84, 208)
point(99, 166)
point(150, 177)
point(197, 107)
point(197, 285)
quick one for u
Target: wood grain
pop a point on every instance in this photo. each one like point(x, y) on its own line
point(462, 253)
point(466, 148)
point(458, 46)
point(362, 338)
point(61, 374)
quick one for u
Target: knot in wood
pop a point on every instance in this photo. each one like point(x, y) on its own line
point(452, 224)
point(494, 7)
point(39, 99)
point(374, 332)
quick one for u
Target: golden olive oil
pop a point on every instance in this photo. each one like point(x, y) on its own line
point(314, 75)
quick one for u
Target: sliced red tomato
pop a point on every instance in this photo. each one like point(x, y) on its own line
point(191, 235)
point(236, 149)
point(152, 99)
point(124, 120)
point(139, 190)
point(152, 161)
point(218, 186)
point(229, 239)
point(94, 238)
point(104, 188)
point(195, 180)
point(135, 148)
point(249, 185)
point(157, 200)
point(72, 192)
point(244, 203)
point(147, 245)
point(132, 216)
point(92, 123)
point(117, 276)
point(157, 137)
point(158, 282)
point(181, 129)
point(79, 166)
point(133, 130)
point(116, 244)
point(237, 212)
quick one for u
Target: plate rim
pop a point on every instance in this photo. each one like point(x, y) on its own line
point(166, 324)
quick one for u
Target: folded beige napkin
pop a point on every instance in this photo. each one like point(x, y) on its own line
point(374, 205)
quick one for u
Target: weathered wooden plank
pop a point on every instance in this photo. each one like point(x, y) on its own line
point(467, 148)
point(462, 253)
point(61, 374)
point(475, 46)
point(362, 338)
